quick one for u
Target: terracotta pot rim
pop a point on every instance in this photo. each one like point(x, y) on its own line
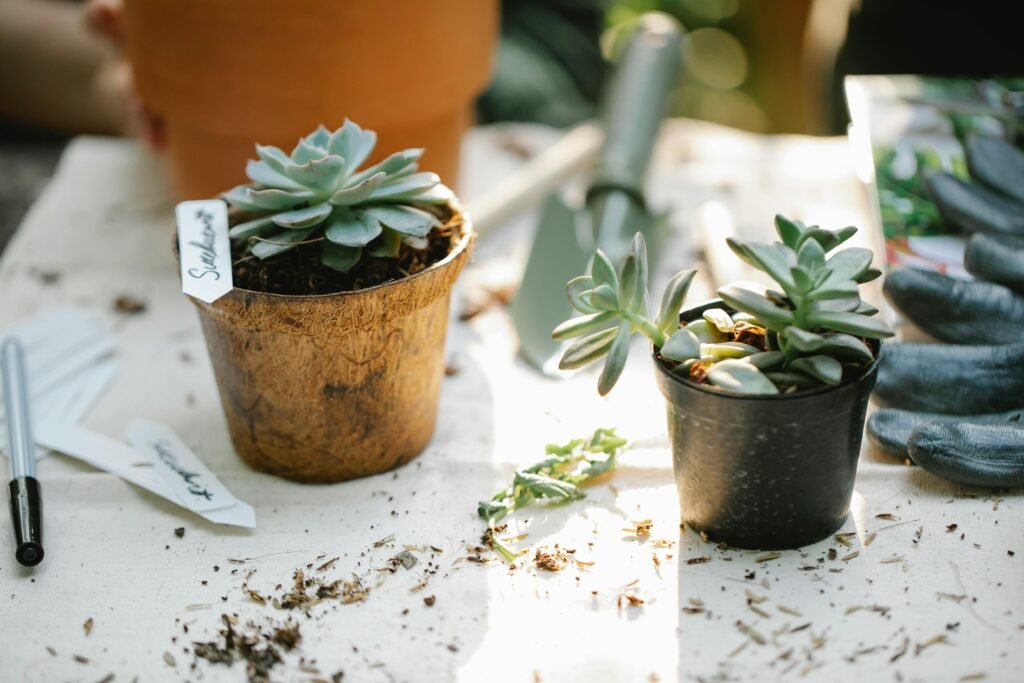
point(735, 396)
point(468, 233)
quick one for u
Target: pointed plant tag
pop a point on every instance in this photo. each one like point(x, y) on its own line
point(203, 248)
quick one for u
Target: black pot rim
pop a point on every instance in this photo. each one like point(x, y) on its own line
point(689, 314)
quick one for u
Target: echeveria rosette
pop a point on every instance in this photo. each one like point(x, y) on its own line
point(318, 193)
point(818, 320)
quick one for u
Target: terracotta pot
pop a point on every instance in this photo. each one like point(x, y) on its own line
point(332, 387)
point(225, 74)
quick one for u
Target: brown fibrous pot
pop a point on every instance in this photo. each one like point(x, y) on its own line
point(325, 388)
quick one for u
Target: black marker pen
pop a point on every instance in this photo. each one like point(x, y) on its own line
point(26, 502)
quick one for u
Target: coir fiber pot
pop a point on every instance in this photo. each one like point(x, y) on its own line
point(767, 472)
point(331, 387)
point(223, 74)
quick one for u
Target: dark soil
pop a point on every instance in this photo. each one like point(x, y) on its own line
point(299, 271)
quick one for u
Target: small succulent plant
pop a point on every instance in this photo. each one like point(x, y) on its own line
point(318, 193)
point(807, 334)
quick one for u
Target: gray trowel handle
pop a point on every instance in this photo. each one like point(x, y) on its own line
point(635, 102)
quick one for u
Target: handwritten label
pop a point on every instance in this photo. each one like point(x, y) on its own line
point(179, 467)
point(204, 249)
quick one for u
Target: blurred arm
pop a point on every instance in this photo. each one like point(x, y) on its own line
point(56, 73)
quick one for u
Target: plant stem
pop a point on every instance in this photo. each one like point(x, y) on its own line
point(645, 327)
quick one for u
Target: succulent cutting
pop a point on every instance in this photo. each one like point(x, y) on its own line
point(808, 333)
point(554, 480)
point(319, 194)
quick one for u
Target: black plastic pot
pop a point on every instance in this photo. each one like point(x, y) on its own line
point(766, 472)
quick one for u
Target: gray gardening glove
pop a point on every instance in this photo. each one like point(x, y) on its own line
point(956, 409)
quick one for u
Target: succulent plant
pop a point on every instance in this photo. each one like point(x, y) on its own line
point(615, 305)
point(804, 335)
point(318, 194)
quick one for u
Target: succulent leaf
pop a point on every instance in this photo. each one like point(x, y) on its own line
point(845, 304)
point(389, 244)
point(576, 288)
point(274, 157)
point(304, 152)
point(359, 192)
point(279, 243)
point(741, 377)
point(802, 281)
point(264, 174)
point(321, 175)
point(352, 143)
point(274, 199)
point(849, 264)
point(303, 218)
point(720, 319)
point(773, 316)
point(438, 194)
point(604, 298)
point(340, 258)
point(766, 360)
point(393, 165)
point(681, 346)
point(789, 231)
point(672, 300)
point(615, 363)
point(835, 289)
point(251, 228)
point(864, 308)
point(405, 219)
point(584, 325)
point(352, 229)
point(869, 275)
point(319, 137)
point(811, 256)
point(705, 332)
point(727, 350)
point(851, 323)
point(405, 188)
point(602, 270)
point(637, 302)
point(768, 258)
point(825, 239)
point(843, 234)
point(588, 349)
point(823, 368)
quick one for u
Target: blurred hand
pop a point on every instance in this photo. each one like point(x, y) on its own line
point(115, 80)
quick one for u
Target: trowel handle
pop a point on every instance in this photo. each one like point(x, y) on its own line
point(635, 102)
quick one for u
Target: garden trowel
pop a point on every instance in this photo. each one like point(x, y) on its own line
point(615, 207)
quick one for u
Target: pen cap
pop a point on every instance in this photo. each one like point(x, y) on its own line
point(27, 516)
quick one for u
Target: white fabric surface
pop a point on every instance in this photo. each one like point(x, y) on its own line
point(106, 226)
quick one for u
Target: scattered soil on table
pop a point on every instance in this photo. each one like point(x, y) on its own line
point(129, 305)
point(300, 272)
point(550, 560)
point(257, 647)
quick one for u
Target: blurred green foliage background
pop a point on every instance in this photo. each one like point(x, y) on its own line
point(741, 60)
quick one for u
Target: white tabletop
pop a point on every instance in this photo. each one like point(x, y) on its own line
point(919, 603)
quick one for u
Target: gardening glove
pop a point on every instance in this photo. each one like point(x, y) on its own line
point(956, 409)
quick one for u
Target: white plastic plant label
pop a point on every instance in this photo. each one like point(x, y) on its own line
point(204, 248)
point(184, 473)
